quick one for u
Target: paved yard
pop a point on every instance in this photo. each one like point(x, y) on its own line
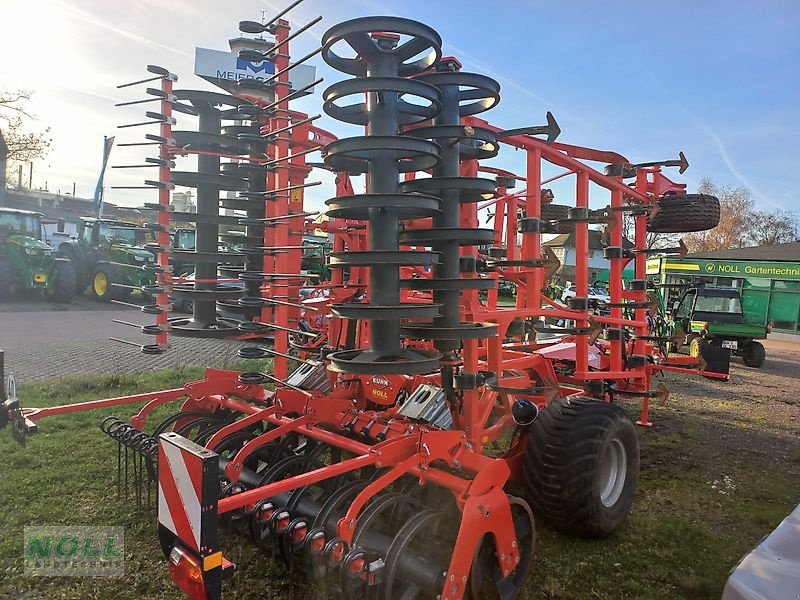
point(46, 344)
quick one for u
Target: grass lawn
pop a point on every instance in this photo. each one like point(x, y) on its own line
point(717, 475)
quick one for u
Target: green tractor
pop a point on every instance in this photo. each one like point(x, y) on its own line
point(27, 263)
point(110, 258)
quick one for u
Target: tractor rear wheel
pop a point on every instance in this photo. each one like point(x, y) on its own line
point(5, 280)
point(754, 354)
point(681, 213)
point(582, 466)
point(65, 283)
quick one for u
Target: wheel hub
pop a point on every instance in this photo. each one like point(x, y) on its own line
point(613, 470)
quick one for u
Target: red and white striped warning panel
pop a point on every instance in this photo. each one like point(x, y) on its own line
point(182, 465)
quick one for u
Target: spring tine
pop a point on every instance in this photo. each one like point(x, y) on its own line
point(250, 221)
point(289, 356)
point(119, 469)
point(131, 304)
point(290, 67)
point(288, 385)
point(294, 187)
point(124, 85)
point(274, 50)
point(132, 102)
point(292, 304)
point(294, 94)
point(126, 472)
point(288, 127)
point(290, 156)
point(289, 329)
point(121, 322)
point(113, 339)
point(274, 19)
point(134, 166)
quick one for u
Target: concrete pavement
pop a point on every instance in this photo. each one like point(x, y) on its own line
point(43, 345)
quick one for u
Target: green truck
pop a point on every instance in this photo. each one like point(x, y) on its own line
point(27, 263)
point(110, 258)
point(706, 315)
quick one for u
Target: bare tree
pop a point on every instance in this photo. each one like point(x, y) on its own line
point(773, 227)
point(736, 215)
point(653, 240)
point(24, 143)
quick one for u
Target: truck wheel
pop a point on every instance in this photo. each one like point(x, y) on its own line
point(753, 354)
point(556, 212)
point(5, 280)
point(582, 465)
point(65, 284)
point(680, 213)
point(102, 286)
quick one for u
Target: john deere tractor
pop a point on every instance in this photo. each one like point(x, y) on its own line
point(110, 258)
point(27, 263)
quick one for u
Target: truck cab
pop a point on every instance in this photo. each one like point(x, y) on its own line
point(714, 316)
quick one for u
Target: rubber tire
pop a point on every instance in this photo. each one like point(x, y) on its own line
point(696, 346)
point(556, 212)
point(65, 285)
point(682, 213)
point(5, 280)
point(111, 291)
point(563, 452)
point(754, 354)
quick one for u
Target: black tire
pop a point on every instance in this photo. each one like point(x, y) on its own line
point(682, 213)
point(5, 280)
point(556, 212)
point(65, 283)
point(566, 469)
point(754, 354)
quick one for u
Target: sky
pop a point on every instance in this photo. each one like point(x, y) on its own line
point(719, 80)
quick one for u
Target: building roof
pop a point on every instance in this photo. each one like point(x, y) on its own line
point(567, 240)
point(18, 211)
point(789, 251)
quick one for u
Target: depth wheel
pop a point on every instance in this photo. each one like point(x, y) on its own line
point(582, 465)
point(486, 577)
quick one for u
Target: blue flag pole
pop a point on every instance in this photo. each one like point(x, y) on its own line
point(108, 143)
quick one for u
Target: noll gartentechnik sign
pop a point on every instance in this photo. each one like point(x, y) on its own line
point(221, 67)
point(74, 551)
point(744, 269)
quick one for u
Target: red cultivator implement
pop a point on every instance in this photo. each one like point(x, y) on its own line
point(399, 459)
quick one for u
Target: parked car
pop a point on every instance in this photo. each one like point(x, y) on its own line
point(597, 299)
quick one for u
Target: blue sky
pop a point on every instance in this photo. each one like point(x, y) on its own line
point(718, 80)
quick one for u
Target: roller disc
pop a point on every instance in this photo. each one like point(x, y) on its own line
point(419, 556)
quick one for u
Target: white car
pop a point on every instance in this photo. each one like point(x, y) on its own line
point(596, 297)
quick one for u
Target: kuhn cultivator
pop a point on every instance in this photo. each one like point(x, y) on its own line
point(399, 459)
